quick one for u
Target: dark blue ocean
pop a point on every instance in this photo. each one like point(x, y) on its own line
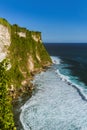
point(73, 61)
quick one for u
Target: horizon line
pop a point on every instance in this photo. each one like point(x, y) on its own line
point(65, 42)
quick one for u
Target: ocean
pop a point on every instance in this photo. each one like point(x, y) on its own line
point(73, 63)
point(60, 98)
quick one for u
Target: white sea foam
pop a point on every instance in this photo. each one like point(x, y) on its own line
point(81, 87)
point(55, 106)
point(56, 60)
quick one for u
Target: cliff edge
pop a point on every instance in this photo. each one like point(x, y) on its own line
point(22, 54)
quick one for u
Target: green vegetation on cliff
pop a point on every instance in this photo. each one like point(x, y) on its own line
point(6, 116)
point(21, 49)
point(26, 55)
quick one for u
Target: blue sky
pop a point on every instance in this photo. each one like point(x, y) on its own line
point(58, 20)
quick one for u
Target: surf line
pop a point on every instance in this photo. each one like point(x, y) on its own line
point(71, 84)
point(79, 92)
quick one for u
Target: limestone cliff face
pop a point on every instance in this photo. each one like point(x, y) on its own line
point(5, 41)
point(24, 52)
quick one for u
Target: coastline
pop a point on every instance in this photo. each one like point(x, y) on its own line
point(54, 100)
point(17, 104)
point(41, 88)
point(23, 97)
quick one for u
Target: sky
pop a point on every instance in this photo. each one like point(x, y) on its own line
point(59, 21)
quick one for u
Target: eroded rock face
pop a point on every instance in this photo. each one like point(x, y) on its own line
point(37, 39)
point(30, 63)
point(5, 41)
point(22, 34)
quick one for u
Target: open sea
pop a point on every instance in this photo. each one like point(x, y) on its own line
point(60, 98)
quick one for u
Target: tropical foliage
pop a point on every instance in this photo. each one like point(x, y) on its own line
point(6, 115)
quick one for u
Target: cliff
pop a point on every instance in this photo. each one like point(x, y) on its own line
point(23, 50)
point(22, 54)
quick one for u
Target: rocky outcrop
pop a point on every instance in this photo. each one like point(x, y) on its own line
point(36, 38)
point(22, 34)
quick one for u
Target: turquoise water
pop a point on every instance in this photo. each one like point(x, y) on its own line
point(73, 57)
point(73, 63)
point(66, 75)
